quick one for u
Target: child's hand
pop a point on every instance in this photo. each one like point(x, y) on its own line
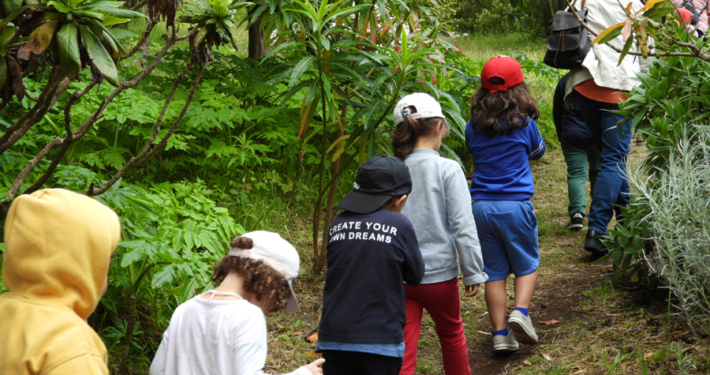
point(314, 367)
point(471, 290)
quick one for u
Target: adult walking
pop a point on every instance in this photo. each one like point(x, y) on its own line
point(579, 148)
point(699, 18)
point(597, 89)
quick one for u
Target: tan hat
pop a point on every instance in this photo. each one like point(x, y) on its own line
point(279, 254)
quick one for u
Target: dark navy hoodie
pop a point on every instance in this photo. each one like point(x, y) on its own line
point(369, 257)
point(572, 131)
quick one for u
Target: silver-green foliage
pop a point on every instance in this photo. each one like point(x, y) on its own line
point(678, 197)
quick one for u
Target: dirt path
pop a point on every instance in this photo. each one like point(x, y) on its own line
point(601, 328)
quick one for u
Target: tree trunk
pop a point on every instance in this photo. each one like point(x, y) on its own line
point(256, 39)
point(130, 324)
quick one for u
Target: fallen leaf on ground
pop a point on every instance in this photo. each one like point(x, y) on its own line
point(580, 372)
point(549, 322)
point(648, 355)
point(484, 333)
point(313, 337)
point(313, 354)
point(527, 363)
point(691, 350)
point(546, 356)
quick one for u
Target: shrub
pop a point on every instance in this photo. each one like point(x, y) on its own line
point(677, 198)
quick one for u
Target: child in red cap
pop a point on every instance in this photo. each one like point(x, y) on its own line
point(502, 137)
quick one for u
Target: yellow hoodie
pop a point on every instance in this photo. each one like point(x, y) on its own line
point(58, 245)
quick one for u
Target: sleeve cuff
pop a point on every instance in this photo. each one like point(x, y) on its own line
point(475, 279)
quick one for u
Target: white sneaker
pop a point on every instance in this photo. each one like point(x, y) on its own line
point(523, 328)
point(505, 343)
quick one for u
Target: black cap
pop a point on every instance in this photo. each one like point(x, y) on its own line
point(378, 180)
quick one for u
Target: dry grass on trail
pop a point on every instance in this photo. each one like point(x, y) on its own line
point(603, 328)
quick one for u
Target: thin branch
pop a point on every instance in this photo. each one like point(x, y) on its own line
point(49, 96)
point(65, 142)
point(70, 103)
point(30, 97)
point(31, 165)
point(144, 39)
point(149, 150)
point(177, 121)
point(139, 5)
point(71, 136)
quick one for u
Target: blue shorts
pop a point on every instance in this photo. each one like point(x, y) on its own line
point(507, 231)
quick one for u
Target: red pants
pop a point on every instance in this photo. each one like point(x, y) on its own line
point(443, 303)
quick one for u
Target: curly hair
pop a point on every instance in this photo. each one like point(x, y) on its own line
point(408, 132)
point(491, 112)
point(260, 279)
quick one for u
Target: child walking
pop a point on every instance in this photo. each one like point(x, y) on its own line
point(501, 137)
point(372, 249)
point(438, 210)
point(223, 331)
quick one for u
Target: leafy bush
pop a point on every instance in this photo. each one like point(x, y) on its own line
point(485, 17)
point(677, 198)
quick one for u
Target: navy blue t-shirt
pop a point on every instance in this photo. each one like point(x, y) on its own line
point(369, 256)
point(501, 169)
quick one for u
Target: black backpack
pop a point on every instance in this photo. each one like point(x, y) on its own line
point(690, 7)
point(568, 43)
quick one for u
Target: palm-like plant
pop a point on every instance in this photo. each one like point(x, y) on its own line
point(76, 30)
point(213, 19)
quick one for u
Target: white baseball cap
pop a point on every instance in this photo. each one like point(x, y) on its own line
point(279, 254)
point(425, 105)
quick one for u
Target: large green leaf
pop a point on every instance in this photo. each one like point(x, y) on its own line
point(3, 72)
point(300, 68)
point(110, 21)
point(5, 35)
point(68, 44)
point(89, 14)
point(118, 13)
point(100, 58)
point(59, 6)
point(10, 5)
point(113, 47)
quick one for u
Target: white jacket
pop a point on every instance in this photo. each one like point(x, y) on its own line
point(602, 62)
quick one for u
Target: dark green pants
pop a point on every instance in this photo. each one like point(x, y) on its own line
point(576, 159)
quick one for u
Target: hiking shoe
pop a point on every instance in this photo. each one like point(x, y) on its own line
point(523, 328)
point(505, 343)
point(594, 245)
point(576, 222)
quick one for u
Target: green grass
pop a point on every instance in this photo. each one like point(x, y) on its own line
point(484, 47)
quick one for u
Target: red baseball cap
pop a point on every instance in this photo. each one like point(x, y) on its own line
point(505, 68)
point(684, 15)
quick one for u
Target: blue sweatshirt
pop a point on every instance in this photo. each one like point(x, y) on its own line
point(501, 164)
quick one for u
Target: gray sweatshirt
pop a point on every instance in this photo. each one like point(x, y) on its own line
point(439, 208)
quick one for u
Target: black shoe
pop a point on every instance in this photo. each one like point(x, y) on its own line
point(593, 244)
point(576, 222)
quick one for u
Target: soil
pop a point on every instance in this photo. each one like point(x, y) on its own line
point(558, 298)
